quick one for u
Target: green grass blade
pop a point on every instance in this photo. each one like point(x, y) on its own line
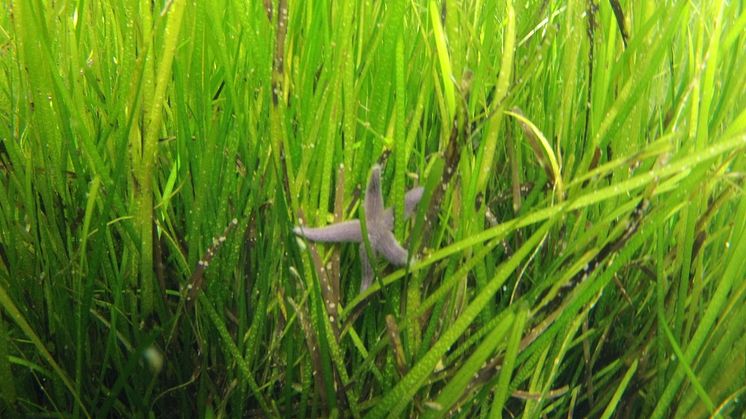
point(445, 63)
point(150, 153)
point(610, 408)
point(232, 350)
point(457, 387)
point(506, 370)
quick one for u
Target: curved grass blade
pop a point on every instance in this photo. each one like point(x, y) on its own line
point(542, 150)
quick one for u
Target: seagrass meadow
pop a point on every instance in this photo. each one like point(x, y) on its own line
point(572, 175)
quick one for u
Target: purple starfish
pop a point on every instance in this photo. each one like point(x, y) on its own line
point(378, 221)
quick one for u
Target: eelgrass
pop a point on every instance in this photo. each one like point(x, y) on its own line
point(580, 248)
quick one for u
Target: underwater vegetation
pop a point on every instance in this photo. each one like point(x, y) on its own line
point(427, 208)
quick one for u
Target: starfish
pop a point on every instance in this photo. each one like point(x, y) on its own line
point(379, 223)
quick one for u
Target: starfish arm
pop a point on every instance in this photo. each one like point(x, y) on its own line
point(387, 246)
point(374, 212)
point(346, 231)
point(388, 219)
point(365, 269)
point(411, 199)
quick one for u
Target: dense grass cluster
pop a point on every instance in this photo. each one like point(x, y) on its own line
point(580, 248)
